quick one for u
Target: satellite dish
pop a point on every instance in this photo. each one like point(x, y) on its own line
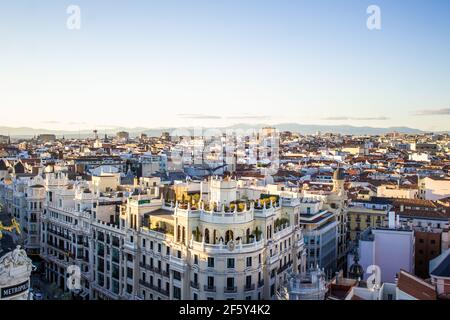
point(231, 245)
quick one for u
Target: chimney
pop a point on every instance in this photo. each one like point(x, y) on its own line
point(392, 224)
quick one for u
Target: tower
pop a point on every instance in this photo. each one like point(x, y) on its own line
point(338, 179)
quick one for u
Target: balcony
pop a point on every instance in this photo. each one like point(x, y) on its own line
point(165, 274)
point(209, 288)
point(223, 248)
point(281, 233)
point(146, 284)
point(230, 289)
point(152, 287)
point(146, 266)
point(250, 287)
point(283, 268)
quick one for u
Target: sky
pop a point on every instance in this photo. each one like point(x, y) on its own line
point(220, 62)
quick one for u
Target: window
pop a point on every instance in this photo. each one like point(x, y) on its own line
point(230, 283)
point(130, 273)
point(167, 251)
point(249, 261)
point(176, 293)
point(210, 282)
point(248, 281)
point(159, 247)
point(196, 259)
point(230, 263)
point(195, 297)
point(210, 262)
point(195, 278)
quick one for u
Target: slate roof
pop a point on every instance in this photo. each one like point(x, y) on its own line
point(443, 269)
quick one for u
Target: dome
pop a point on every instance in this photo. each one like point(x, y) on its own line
point(356, 271)
point(339, 174)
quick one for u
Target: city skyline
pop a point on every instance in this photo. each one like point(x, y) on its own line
point(173, 64)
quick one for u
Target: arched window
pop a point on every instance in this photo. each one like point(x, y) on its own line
point(228, 236)
point(206, 235)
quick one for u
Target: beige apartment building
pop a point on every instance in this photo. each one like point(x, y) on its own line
point(434, 188)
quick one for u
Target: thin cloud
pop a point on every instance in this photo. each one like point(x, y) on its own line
point(356, 118)
point(197, 116)
point(248, 117)
point(433, 112)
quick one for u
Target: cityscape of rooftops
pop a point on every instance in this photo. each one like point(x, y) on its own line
point(259, 151)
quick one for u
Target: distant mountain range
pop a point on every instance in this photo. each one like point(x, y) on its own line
point(25, 132)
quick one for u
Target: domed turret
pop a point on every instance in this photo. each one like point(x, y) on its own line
point(356, 271)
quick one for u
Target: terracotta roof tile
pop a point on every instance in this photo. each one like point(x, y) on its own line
point(415, 287)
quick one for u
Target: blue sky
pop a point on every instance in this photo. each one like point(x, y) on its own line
point(219, 62)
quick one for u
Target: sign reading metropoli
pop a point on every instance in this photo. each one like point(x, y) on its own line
point(11, 291)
